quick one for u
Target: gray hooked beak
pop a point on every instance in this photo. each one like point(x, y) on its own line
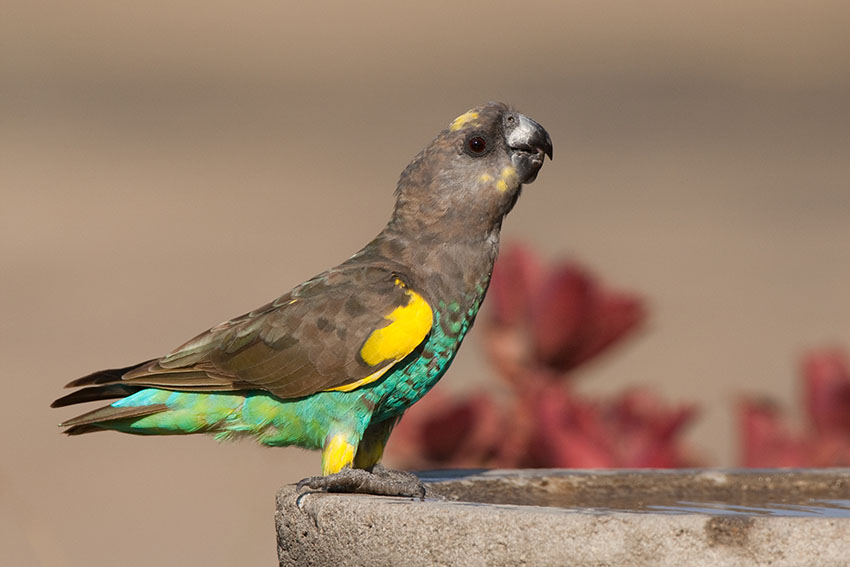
point(530, 143)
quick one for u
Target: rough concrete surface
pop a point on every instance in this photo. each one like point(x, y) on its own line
point(334, 529)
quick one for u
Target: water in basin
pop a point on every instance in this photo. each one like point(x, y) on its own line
point(822, 493)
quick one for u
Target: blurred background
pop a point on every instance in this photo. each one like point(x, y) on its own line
point(165, 166)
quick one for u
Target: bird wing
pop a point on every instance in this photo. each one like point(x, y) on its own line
point(339, 331)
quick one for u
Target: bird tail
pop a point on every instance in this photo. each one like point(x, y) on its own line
point(102, 385)
point(152, 410)
point(101, 418)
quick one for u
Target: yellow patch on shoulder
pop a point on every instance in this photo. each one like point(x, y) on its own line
point(363, 381)
point(463, 120)
point(485, 178)
point(337, 454)
point(409, 325)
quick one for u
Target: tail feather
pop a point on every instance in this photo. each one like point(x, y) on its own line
point(89, 421)
point(107, 376)
point(102, 385)
point(198, 410)
point(95, 393)
point(80, 429)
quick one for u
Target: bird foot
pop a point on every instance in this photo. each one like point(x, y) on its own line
point(380, 481)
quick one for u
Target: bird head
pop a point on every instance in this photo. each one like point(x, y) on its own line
point(472, 173)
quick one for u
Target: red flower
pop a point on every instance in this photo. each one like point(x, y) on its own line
point(633, 430)
point(446, 432)
point(556, 319)
point(827, 380)
point(768, 441)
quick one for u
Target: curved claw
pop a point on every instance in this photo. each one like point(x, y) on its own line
point(381, 481)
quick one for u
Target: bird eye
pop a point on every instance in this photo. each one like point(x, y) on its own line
point(476, 145)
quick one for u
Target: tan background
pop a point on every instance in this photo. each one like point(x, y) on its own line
point(164, 166)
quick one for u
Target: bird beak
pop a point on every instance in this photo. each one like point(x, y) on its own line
point(530, 144)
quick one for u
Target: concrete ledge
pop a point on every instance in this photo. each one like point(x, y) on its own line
point(586, 518)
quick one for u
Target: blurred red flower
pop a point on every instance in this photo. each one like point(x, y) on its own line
point(552, 320)
point(768, 441)
point(631, 430)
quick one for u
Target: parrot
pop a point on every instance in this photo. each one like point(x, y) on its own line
point(334, 363)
